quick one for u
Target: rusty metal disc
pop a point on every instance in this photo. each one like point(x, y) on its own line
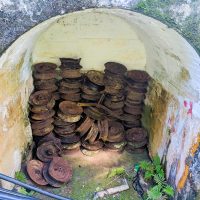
point(43, 131)
point(117, 84)
point(70, 108)
point(70, 84)
point(118, 111)
point(103, 129)
point(136, 134)
point(92, 85)
point(138, 76)
point(48, 138)
point(46, 87)
point(71, 146)
point(59, 122)
point(112, 91)
point(70, 73)
point(94, 146)
point(136, 85)
point(118, 146)
point(60, 170)
point(136, 89)
point(72, 97)
point(43, 115)
point(134, 110)
point(89, 91)
point(35, 124)
point(113, 105)
point(136, 145)
point(45, 108)
point(115, 98)
point(85, 126)
point(92, 134)
point(115, 68)
point(70, 63)
point(135, 96)
point(69, 118)
point(95, 77)
point(94, 113)
point(67, 130)
point(52, 89)
point(69, 139)
point(115, 127)
point(49, 179)
point(45, 75)
point(44, 83)
point(130, 118)
point(134, 102)
point(44, 67)
point(47, 150)
point(69, 91)
point(40, 98)
point(34, 170)
point(134, 124)
point(90, 97)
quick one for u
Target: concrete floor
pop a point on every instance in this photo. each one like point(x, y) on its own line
point(90, 175)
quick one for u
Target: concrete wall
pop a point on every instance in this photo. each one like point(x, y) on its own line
point(173, 99)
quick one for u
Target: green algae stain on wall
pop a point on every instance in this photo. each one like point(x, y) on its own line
point(181, 15)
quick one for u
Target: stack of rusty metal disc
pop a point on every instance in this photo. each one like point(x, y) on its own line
point(45, 75)
point(137, 83)
point(69, 113)
point(55, 172)
point(41, 115)
point(112, 133)
point(92, 86)
point(114, 86)
point(136, 139)
point(70, 84)
point(90, 138)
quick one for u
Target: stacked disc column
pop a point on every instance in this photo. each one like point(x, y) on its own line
point(114, 100)
point(42, 100)
point(136, 135)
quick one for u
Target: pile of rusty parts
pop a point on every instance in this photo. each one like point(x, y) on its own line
point(90, 111)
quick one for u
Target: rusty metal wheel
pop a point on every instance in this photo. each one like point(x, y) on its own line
point(85, 126)
point(43, 115)
point(130, 118)
point(136, 135)
point(44, 67)
point(49, 179)
point(92, 134)
point(69, 139)
point(95, 77)
point(89, 97)
point(47, 150)
point(60, 170)
point(70, 108)
point(103, 129)
point(69, 91)
point(113, 105)
point(59, 122)
point(69, 118)
point(72, 97)
point(87, 90)
point(115, 68)
point(136, 145)
point(45, 75)
point(138, 76)
point(94, 146)
point(70, 63)
point(40, 98)
point(71, 146)
point(94, 113)
point(43, 131)
point(70, 73)
point(35, 124)
point(34, 170)
point(66, 130)
point(134, 124)
point(134, 110)
point(45, 108)
point(70, 84)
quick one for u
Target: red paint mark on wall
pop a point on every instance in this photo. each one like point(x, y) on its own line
point(185, 103)
point(190, 109)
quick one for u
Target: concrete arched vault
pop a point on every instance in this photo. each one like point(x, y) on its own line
point(97, 36)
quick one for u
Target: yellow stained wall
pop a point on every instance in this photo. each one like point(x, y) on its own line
point(95, 37)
